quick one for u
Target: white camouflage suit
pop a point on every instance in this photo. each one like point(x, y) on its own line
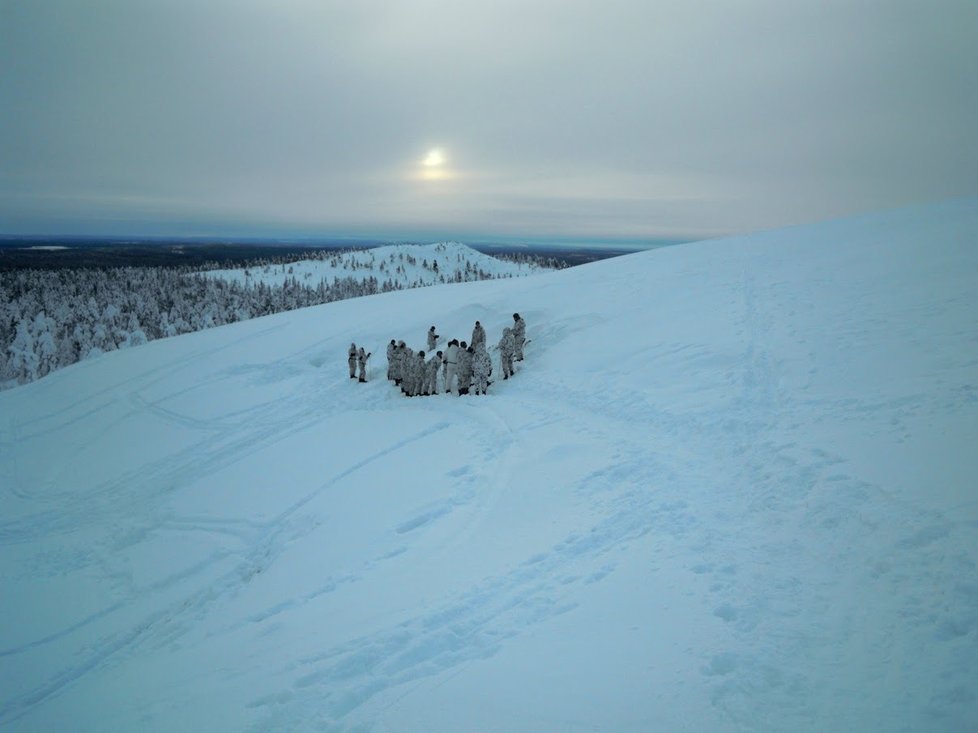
point(507, 346)
point(351, 359)
point(464, 370)
point(400, 362)
point(406, 366)
point(362, 357)
point(519, 336)
point(417, 374)
point(431, 374)
point(451, 364)
point(391, 351)
point(481, 367)
point(478, 335)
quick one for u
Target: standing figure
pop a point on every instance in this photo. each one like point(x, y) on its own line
point(399, 363)
point(481, 368)
point(431, 374)
point(478, 335)
point(519, 336)
point(407, 368)
point(507, 345)
point(464, 368)
point(417, 375)
point(391, 351)
point(351, 359)
point(362, 357)
point(432, 339)
point(451, 363)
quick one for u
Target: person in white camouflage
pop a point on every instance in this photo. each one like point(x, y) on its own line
point(478, 335)
point(431, 374)
point(351, 359)
point(417, 375)
point(519, 336)
point(481, 369)
point(507, 345)
point(391, 350)
point(451, 364)
point(362, 357)
point(464, 368)
point(432, 339)
point(407, 367)
point(397, 363)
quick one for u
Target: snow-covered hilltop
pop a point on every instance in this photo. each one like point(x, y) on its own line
point(396, 266)
point(731, 488)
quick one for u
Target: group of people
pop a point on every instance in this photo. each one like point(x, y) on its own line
point(465, 367)
point(357, 357)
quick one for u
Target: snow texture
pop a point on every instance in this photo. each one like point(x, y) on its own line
point(731, 488)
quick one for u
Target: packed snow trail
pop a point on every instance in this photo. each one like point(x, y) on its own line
point(731, 488)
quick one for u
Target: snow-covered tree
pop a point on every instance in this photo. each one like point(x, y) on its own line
point(23, 361)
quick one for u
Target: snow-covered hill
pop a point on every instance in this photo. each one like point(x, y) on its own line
point(403, 265)
point(732, 488)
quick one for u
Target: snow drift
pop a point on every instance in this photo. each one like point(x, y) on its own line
point(731, 488)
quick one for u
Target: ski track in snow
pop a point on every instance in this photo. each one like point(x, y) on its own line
point(228, 439)
point(263, 542)
point(137, 492)
point(330, 685)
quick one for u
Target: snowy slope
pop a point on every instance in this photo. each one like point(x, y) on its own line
point(403, 264)
point(732, 488)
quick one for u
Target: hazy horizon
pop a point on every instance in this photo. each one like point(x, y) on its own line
point(429, 119)
point(326, 240)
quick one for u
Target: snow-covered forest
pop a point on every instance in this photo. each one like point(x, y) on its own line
point(52, 318)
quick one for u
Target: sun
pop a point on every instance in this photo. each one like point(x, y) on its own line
point(434, 159)
point(434, 166)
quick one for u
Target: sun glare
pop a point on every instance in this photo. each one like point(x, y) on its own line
point(434, 159)
point(434, 166)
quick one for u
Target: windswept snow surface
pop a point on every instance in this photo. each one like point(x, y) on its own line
point(731, 488)
point(361, 264)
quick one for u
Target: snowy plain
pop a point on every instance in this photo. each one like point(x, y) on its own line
point(733, 487)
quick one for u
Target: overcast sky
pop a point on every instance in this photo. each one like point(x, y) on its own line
point(462, 118)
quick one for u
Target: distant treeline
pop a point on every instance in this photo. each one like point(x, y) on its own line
point(56, 254)
point(51, 318)
point(53, 253)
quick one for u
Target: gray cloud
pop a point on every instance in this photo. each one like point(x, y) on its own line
point(615, 118)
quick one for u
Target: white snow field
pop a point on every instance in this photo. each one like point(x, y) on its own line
point(733, 487)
